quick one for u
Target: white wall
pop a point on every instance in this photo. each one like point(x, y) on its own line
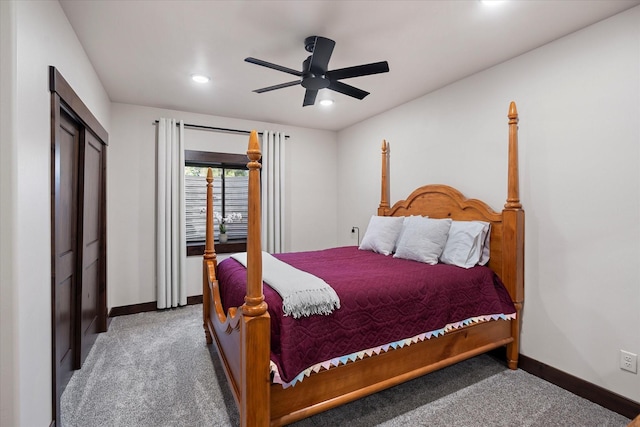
point(310, 193)
point(39, 36)
point(8, 302)
point(579, 104)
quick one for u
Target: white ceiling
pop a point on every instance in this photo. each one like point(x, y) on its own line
point(145, 51)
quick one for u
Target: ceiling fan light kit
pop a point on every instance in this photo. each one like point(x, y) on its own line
point(315, 74)
point(200, 78)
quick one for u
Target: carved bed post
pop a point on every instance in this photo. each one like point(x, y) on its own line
point(255, 326)
point(384, 191)
point(513, 191)
point(513, 238)
point(209, 261)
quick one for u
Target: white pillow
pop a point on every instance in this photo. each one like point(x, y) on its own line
point(465, 243)
point(486, 239)
point(423, 239)
point(382, 234)
point(404, 227)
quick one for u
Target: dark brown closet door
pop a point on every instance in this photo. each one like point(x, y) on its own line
point(92, 240)
point(65, 246)
point(78, 238)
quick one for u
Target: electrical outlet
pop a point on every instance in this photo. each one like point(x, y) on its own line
point(628, 361)
point(355, 229)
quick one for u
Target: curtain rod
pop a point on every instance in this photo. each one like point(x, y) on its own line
point(217, 129)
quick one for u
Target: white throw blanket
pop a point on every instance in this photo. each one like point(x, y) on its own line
point(303, 294)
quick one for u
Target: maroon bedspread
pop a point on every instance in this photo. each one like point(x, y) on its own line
point(383, 299)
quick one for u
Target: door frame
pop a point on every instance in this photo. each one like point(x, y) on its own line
point(64, 98)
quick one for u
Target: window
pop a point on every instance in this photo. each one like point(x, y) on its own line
point(230, 193)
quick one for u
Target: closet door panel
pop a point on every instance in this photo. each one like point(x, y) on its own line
point(65, 246)
point(92, 227)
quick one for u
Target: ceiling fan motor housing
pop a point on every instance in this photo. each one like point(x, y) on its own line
point(313, 81)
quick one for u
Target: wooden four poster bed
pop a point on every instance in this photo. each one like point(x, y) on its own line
point(243, 333)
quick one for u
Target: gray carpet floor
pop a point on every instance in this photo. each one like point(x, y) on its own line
point(154, 369)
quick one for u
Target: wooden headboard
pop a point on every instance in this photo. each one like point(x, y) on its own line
point(442, 201)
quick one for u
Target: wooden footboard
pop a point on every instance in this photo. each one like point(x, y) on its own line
point(242, 335)
point(336, 386)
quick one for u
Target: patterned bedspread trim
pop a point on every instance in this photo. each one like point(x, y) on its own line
point(343, 360)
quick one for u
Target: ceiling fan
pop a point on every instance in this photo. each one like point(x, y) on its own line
point(315, 74)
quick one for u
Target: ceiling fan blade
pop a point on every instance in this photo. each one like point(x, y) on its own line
point(310, 97)
point(280, 86)
point(321, 55)
point(347, 89)
point(358, 70)
point(273, 66)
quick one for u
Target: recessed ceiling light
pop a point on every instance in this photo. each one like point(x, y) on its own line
point(326, 102)
point(199, 78)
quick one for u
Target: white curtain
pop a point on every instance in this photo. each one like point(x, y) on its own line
point(273, 194)
point(170, 222)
